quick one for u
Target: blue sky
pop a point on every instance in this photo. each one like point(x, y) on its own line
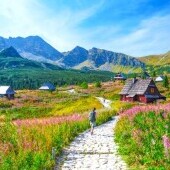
point(134, 27)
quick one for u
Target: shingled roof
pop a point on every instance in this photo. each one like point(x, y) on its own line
point(120, 76)
point(135, 86)
point(128, 85)
point(47, 86)
point(6, 90)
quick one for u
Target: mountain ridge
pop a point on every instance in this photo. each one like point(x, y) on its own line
point(156, 60)
point(31, 45)
point(35, 48)
point(10, 58)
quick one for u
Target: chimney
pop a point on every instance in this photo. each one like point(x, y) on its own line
point(134, 80)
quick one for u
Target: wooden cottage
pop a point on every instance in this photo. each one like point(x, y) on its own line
point(141, 90)
point(119, 76)
point(7, 91)
point(47, 86)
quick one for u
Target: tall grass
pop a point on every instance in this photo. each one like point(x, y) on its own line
point(140, 133)
point(27, 112)
point(80, 105)
point(30, 147)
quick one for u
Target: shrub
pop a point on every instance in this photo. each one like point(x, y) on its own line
point(84, 85)
point(166, 82)
point(5, 104)
point(97, 84)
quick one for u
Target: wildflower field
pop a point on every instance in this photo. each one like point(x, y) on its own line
point(37, 125)
point(143, 134)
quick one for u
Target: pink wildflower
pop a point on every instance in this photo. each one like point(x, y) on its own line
point(155, 108)
point(48, 121)
point(166, 142)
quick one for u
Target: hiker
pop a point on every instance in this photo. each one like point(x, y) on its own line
point(92, 119)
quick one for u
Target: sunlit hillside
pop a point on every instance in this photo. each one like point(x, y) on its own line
point(162, 59)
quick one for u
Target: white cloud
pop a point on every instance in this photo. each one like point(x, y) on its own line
point(62, 28)
point(30, 17)
point(150, 37)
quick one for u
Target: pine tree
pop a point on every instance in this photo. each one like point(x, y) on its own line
point(166, 82)
point(154, 74)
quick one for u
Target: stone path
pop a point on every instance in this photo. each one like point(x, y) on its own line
point(71, 91)
point(93, 152)
point(105, 102)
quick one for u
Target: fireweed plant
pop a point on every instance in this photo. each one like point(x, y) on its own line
point(29, 143)
point(143, 134)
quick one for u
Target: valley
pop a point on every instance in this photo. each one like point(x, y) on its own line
point(43, 123)
point(84, 85)
point(42, 120)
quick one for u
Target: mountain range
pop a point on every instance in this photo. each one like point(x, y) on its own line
point(35, 48)
point(11, 59)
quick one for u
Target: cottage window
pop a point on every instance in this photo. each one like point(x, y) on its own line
point(152, 90)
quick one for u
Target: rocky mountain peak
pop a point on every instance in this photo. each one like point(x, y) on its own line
point(75, 56)
point(79, 49)
point(31, 47)
point(35, 48)
point(10, 52)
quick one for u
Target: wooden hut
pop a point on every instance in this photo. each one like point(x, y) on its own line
point(159, 79)
point(7, 91)
point(119, 76)
point(141, 90)
point(47, 86)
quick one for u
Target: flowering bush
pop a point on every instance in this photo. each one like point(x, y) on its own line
point(166, 141)
point(28, 143)
point(140, 134)
point(48, 121)
point(148, 108)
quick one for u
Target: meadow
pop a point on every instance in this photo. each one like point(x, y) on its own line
point(143, 134)
point(37, 125)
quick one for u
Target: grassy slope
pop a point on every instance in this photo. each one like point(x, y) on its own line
point(126, 69)
point(158, 63)
point(23, 63)
point(113, 68)
point(163, 59)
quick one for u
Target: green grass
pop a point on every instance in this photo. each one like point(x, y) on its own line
point(156, 60)
point(80, 105)
point(158, 63)
point(140, 141)
point(26, 112)
point(29, 148)
point(47, 105)
point(126, 69)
